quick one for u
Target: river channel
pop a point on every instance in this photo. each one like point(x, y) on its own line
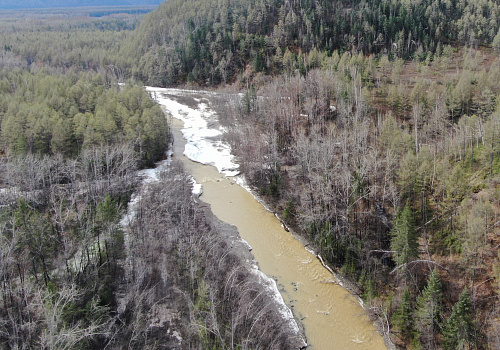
point(332, 317)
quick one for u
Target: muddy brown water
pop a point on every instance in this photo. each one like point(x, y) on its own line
point(332, 317)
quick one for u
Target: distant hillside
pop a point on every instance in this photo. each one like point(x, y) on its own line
point(209, 41)
point(25, 4)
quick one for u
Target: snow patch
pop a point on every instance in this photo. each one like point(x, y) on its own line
point(272, 288)
point(246, 244)
point(131, 210)
point(197, 188)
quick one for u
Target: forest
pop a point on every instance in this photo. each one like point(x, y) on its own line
point(397, 184)
point(377, 139)
point(79, 267)
point(208, 41)
point(371, 128)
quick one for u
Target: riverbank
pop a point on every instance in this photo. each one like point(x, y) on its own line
point(327, 310)
point(238, 247)
point(195, 255)
point(376, 314)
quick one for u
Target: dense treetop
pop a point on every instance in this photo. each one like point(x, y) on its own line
point(208, 41)
point(46, 114)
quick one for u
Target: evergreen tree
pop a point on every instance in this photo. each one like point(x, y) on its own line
point(459, 331)
point(403, 318)
point(428, 313)
point(404, 237)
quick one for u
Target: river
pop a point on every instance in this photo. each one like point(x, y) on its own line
point(332, 317)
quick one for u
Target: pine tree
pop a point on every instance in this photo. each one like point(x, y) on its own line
point(404, 238)
point(428, 313)
point(459, 331)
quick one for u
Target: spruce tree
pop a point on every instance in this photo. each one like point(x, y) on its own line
point(428, 313)
point(459, 331)
point(403, 318)
point(404, 237)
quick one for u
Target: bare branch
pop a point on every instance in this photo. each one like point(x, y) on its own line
point(382, 251)
point(419, 261)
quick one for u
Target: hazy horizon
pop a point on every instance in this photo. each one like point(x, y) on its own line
point(44, 4)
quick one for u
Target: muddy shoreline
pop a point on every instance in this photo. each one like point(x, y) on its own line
point(240, 248)
point(346, 283)
point(227, 255)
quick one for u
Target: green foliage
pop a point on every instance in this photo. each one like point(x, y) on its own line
point(33, 237)
point(459, 330)
point(249, 101)
point(68, 113)
point(68, 41)
point(403, 317)
point(107, 292)
point(289, 212)
point(393, 138)
point(350, 180)
point(474, 221)
point(202, 300)
point(273, 188)
point(369, 286)
point(496, 271)
point(256, 33)
point(496, 42)
point(349, 267)
point(107, 210)
point(409, 179)
point(429, 309)
point(404, 239)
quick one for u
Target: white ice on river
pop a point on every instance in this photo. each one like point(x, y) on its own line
point(201, 131)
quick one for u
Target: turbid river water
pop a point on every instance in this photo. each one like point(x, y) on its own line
point(332, 317)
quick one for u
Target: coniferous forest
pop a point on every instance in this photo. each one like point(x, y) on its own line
point(372, 128)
